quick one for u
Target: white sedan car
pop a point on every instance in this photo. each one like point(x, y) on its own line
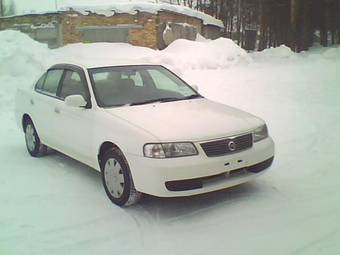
point(144, 128)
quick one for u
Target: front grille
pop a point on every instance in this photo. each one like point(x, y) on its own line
point(224, 147)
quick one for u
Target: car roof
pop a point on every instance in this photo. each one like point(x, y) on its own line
point(89, 64)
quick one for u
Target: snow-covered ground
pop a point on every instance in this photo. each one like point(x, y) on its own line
point(55, 205)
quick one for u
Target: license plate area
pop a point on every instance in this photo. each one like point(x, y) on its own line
point(238, 172)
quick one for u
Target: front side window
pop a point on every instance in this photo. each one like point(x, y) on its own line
point(72, 85)
point(52, 82)
point(132, 85)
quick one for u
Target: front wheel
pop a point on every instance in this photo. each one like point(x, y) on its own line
point(33, 144)
point(117, 179)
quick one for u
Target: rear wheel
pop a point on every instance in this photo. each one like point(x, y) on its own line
point(33, 144)
point(117, 179)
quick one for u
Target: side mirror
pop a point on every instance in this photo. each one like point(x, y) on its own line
point(195, 87)
point(75, 101)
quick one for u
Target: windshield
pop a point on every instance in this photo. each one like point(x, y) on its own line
point(133, 85)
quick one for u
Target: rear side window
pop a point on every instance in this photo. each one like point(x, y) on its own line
point(40, 82)
point(52, 82)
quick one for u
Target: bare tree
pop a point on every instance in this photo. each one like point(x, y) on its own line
point(1, 8)
point(7, 8)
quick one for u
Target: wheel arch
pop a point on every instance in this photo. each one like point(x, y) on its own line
point(130, 196)
point(25, 119)
point(104, 147)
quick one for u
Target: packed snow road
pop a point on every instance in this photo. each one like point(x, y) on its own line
point(55, 205)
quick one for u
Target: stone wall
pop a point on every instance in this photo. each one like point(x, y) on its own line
point(141, 27)
point(147, 36)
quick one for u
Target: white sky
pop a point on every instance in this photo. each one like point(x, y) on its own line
point(34, 5)
point(25, 6)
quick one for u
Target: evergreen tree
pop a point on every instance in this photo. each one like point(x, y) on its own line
point(290, 22)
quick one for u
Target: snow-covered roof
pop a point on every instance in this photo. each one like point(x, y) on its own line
point(132, 7)
point(30, 14)
point(140, 6)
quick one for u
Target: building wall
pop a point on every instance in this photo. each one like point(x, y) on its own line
point(177, 26)
point(147, 36)
point(173, 31)
point(142, 29)
point(164, 17)
point(34, 19)
point(211, 32)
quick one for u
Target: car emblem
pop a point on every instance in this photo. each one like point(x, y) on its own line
point(231, 145)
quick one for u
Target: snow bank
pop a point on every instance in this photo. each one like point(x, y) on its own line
point(208, 54)
point(110, 52)
point(278, 53)
point(24, 56)
point(284, 53)
point(332, 53)
point(201, 38)
point(181, 55)
point(22, 60)
point(20, 55)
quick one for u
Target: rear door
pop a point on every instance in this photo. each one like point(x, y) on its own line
point(43, 103)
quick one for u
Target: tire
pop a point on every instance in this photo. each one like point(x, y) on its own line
point(117, 179)
point(33, 144)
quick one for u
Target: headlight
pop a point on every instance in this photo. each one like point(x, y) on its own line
point(169, 150)
point(260, 133)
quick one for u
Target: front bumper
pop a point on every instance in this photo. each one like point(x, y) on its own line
point(199, 174)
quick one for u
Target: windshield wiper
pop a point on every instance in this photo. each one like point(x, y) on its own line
point(165, 99)
point(114, 105)
point(192, 97)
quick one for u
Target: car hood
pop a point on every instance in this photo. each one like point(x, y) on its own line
point(188, 120)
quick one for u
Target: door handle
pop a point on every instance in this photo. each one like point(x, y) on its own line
point(56, 110)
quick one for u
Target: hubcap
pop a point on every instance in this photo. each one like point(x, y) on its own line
point(30, 137)
point(114, 177)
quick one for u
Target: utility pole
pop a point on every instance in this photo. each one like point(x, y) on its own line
point(55, 3)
